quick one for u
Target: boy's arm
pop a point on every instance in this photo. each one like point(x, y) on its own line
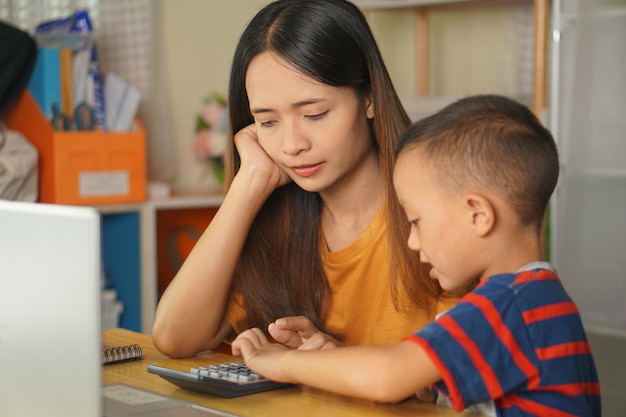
point(379, 373)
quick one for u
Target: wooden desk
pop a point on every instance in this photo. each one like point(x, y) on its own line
point(296, 401)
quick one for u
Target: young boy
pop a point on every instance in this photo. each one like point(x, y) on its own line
point(474, 180)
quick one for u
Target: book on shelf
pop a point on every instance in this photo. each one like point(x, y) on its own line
point(45, 81)
point(65, 65)
point(117, 354)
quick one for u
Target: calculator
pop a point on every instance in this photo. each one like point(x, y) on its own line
point(228, 380)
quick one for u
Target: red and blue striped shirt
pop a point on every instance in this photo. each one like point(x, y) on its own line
point(518, 340)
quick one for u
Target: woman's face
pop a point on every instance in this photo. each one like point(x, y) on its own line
point(318, 134)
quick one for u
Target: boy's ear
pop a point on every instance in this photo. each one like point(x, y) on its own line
point(481, 213)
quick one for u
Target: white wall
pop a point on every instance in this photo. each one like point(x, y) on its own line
point(199, 40)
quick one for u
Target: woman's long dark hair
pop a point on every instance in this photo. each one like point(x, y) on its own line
point(280, 272)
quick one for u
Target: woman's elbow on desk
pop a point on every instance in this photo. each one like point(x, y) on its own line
point(169, 347)
point(181, 343)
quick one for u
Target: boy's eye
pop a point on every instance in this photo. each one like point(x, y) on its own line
point(317, 116)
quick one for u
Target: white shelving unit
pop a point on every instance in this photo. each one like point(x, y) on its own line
point(149, 251)
point(421, 10)
point(145, 233)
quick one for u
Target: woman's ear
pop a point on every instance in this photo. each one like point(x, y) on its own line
point(481, 213)
point(369, 107)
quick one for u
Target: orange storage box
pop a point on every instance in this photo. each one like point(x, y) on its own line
point(83, 167)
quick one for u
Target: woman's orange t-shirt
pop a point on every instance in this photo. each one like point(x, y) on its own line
point(361, 309)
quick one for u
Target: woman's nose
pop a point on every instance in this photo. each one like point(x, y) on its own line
point(294, 139)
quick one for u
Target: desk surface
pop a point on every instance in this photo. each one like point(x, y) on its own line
point(293, 401)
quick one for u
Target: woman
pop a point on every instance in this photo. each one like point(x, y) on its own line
point(309, 231)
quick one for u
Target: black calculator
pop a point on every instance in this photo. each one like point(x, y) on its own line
point(228, 380)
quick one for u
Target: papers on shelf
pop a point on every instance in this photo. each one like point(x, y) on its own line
point(121, 104)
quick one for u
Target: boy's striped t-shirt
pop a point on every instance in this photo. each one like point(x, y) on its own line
point(518, 340)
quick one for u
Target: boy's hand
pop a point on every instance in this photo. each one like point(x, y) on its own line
point(426, 395)
point(297, 332)
point(260, 355)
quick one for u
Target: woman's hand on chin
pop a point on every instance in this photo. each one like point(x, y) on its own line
point(255, 160)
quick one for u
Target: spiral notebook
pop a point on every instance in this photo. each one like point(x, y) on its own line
point(117, 354)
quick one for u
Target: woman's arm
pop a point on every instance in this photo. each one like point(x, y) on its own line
point(190, 316)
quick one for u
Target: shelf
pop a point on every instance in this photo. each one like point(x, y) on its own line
point(129, 249)
point(408, 4)
point(118, 208)
point(186, 201)
point(398, 4)
point(165, 203)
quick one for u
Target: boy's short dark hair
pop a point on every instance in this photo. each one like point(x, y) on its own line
point(491, 142)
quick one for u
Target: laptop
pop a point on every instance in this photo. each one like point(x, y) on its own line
point(50, 320)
